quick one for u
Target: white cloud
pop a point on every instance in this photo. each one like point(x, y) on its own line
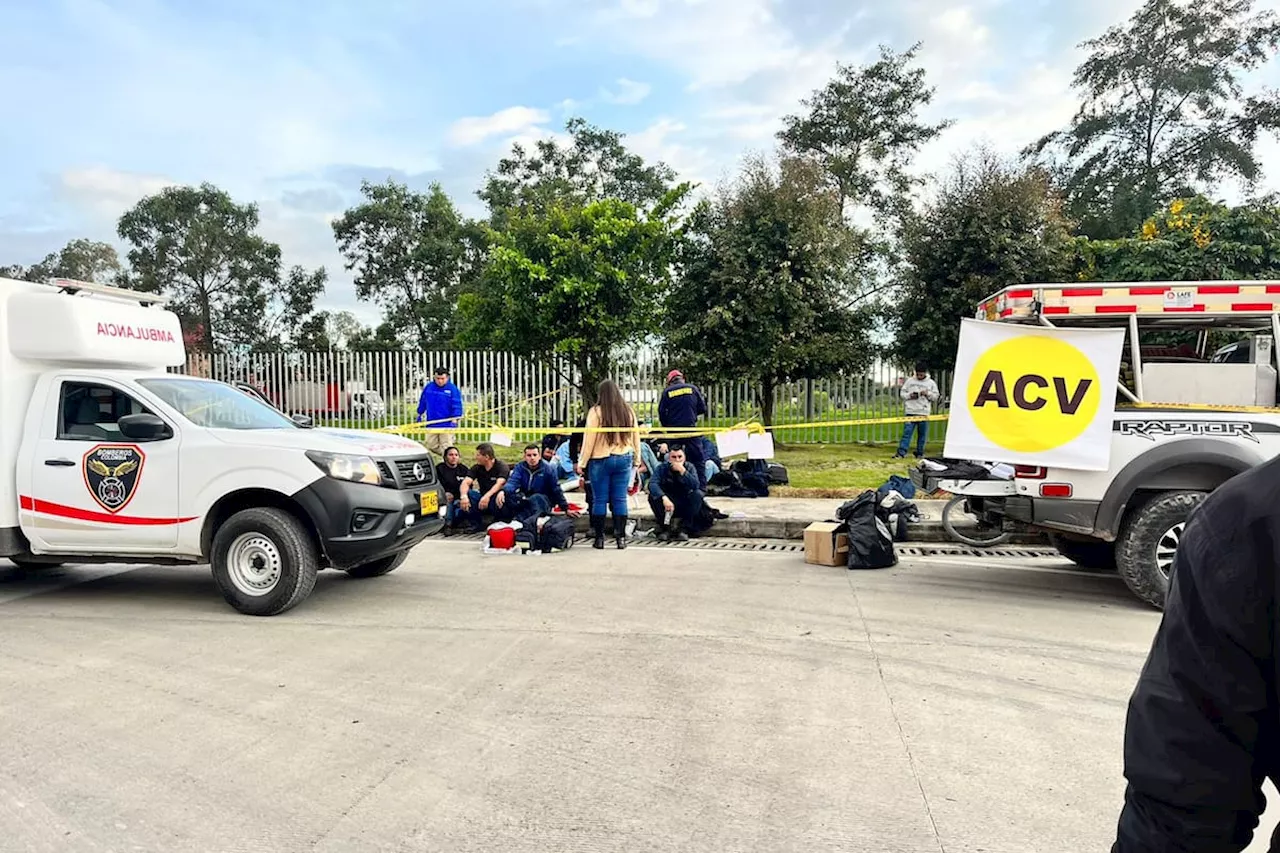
point(626, 92)
point(513, 121)
point(107, 193)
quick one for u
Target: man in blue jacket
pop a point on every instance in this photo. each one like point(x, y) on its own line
point(531, 490)
point(675, 498)
point(680, 405)
point(441, 403)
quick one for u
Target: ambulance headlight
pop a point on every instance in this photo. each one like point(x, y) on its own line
point(340, 466)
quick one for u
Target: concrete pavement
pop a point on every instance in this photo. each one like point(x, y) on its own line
point(670, 699)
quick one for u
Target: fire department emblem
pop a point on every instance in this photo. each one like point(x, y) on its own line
point(111, 473)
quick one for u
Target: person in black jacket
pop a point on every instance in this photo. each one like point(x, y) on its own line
point(450, 472)
point(675, 498)
point(1203, 726)
point(680, 405)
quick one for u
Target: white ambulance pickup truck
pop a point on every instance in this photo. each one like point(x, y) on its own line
point(105, 457)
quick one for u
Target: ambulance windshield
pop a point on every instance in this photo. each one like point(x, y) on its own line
point(215, 405)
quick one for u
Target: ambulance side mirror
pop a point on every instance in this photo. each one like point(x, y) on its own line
point(302, 420)
point(144, 428)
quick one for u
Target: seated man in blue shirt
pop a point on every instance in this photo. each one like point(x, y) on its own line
point(531, 490)
point(676, 499)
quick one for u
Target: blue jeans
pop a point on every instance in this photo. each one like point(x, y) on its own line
point(610, 478)
point(475, 518)
point(921, 436)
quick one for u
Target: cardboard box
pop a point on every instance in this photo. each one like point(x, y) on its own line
point(823, 546)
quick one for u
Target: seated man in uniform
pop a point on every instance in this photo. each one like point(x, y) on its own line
point(676, 499)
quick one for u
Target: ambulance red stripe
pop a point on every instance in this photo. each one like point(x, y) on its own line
point(1218, 288)
point(60, 511)
point(1081, 291)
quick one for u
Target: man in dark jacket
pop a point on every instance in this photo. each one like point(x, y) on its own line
point(1203, 728)
point(532, 490)
point(680, 405)
point(675, 498)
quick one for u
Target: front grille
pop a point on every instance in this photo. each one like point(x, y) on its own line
point(404, 476)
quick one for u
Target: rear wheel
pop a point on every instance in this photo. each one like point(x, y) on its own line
point(379, 567)
point(264, 561)
point(1086, 552)
point(1149, 542)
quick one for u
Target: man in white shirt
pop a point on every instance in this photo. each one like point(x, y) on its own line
point(919, 393)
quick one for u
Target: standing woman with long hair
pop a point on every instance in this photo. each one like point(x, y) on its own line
point(611, 457)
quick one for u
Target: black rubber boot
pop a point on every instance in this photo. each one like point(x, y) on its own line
point(620, 531)
point(597, 528)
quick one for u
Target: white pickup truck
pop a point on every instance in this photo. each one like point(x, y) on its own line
point(106, 457)
point(1192, 422)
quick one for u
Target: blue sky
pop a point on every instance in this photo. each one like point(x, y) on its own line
point(290, 103)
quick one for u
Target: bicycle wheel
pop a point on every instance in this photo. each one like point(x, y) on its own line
point(965, 527)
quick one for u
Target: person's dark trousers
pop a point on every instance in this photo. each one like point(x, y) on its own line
point(921, 428)
point(525, 509)
point(688, 508)
point(698, 459)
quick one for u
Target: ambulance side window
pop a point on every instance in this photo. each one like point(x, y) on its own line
point(88, 412)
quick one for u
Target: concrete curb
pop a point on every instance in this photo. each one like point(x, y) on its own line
point(928, 530)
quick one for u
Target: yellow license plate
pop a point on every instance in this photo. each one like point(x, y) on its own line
point(430, 503)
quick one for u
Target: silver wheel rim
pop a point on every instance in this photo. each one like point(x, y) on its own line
point(254, 564)
point(1167, 548)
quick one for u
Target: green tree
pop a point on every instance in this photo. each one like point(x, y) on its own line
point(1165, 111)
point(864, 129)
point(411, 253)
point(593, 165)
point(767, 287)
point(384, 337)
point(992, 224)
point(1192, 239)
point(578, 281)
point(327, 330)
point(82, 260)
point(202, 250)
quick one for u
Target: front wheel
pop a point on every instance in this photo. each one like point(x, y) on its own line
point(264, 561)
point(1149, 541)
point(379, 567)
point(967, 527)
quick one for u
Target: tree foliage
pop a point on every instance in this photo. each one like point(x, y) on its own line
point(593, 165)
point(578, 280)
point(1192, 239)
point(411, 253)
point(202, 250)
point(992, 224)
point(864, 129)
point(1165, 110)
point(766, 290)
point(82, 260)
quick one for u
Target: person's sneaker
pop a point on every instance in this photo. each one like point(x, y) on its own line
point(720, 514)
point(662, 534)
point(678, 536)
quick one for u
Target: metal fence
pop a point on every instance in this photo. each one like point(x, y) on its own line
point(369, 390)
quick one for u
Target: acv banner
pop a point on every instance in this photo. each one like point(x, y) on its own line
point(1034, 395)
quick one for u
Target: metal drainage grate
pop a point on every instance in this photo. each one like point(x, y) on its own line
point(788, 547)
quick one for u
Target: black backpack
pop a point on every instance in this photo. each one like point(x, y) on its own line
point(557, 534)
point(870, 541)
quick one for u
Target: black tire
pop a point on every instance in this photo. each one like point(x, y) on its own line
point(1148, 540)
point(378, 568)
point(275, 562)
point(32, 565)
point(1087, 553)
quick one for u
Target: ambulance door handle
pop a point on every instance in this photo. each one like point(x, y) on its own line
point(60, 463)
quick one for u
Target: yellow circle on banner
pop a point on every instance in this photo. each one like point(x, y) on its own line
point(1033, 393)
